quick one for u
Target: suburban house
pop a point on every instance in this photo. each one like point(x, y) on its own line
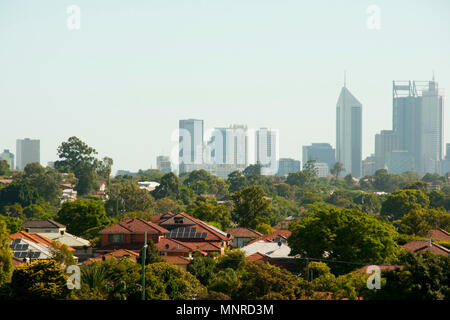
point(130, 234)
point(275, 253)
point(242, 236)
point(31, 246)
point(57, 232)
point(279, 235)
point(34, 237)
point(196, 233)
point(43, 226)
point(426, 245)
point(26, 250)
point(172, 247)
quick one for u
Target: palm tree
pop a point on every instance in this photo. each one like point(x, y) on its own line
point(337, 169)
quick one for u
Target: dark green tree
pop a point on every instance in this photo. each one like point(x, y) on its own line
point(250, 205)
point(83, 215)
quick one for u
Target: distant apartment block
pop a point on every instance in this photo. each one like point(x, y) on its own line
point(321, 152)
point(229, 145)
point(27, 151)
point(267, 150)
point(191, 145)
point(321, 169)
point(163, 164)
point(8, 157)
point(287, 165)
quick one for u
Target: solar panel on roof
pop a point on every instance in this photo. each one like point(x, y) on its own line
point(25, 246)
point(36, 255)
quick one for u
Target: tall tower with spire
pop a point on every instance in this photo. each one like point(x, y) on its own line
point(349, 132)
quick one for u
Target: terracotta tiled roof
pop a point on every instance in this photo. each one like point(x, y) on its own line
point(36, 238)
point(177, 260)
point(172, 245)
point(439, 234)
point(243, 233)
point(421, 245)
point(202, 227)
point(134, 225)
point(204, 246)
point(257, 256)
point(48, 223)
point(283, 233)
point(158, 218)
point(132, 255)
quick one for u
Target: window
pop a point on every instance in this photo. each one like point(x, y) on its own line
point(115, 238)
point(178, 220)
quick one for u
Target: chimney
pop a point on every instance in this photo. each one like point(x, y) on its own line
point(429, 243)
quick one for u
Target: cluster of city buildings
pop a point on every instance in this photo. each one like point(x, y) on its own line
point(415, 142)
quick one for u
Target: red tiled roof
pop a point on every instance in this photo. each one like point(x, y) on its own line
point(203, 246)
point(243, 233)
point(134, 225)
point(176, 260)
point(283, 233)
point(421, 245)
point(172, 245)
point(439, 234)
point(158, 218)
point(132, 255)
point(257, 256)
point(202, 227)
point(36, 238)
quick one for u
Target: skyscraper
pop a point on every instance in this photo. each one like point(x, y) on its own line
point(230, 145)
point(321, 152)
point(267, 150)
point(417, 120)
point(349, 132)
point(27, 151)
point(190, 143)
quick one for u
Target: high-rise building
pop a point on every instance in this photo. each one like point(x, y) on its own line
point(191, 145)
point(8, 157)
point(417, 120)
point(163, 164)
point(321, 169)
point(230, 146)
point(385, 142)
point(349, 132)
point(286, 166)
point(267, 150)
point(27, 151)
point(321, 152)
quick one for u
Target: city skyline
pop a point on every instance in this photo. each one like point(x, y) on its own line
point(260, 63)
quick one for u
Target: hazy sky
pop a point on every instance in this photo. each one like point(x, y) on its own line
point(134, 68)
